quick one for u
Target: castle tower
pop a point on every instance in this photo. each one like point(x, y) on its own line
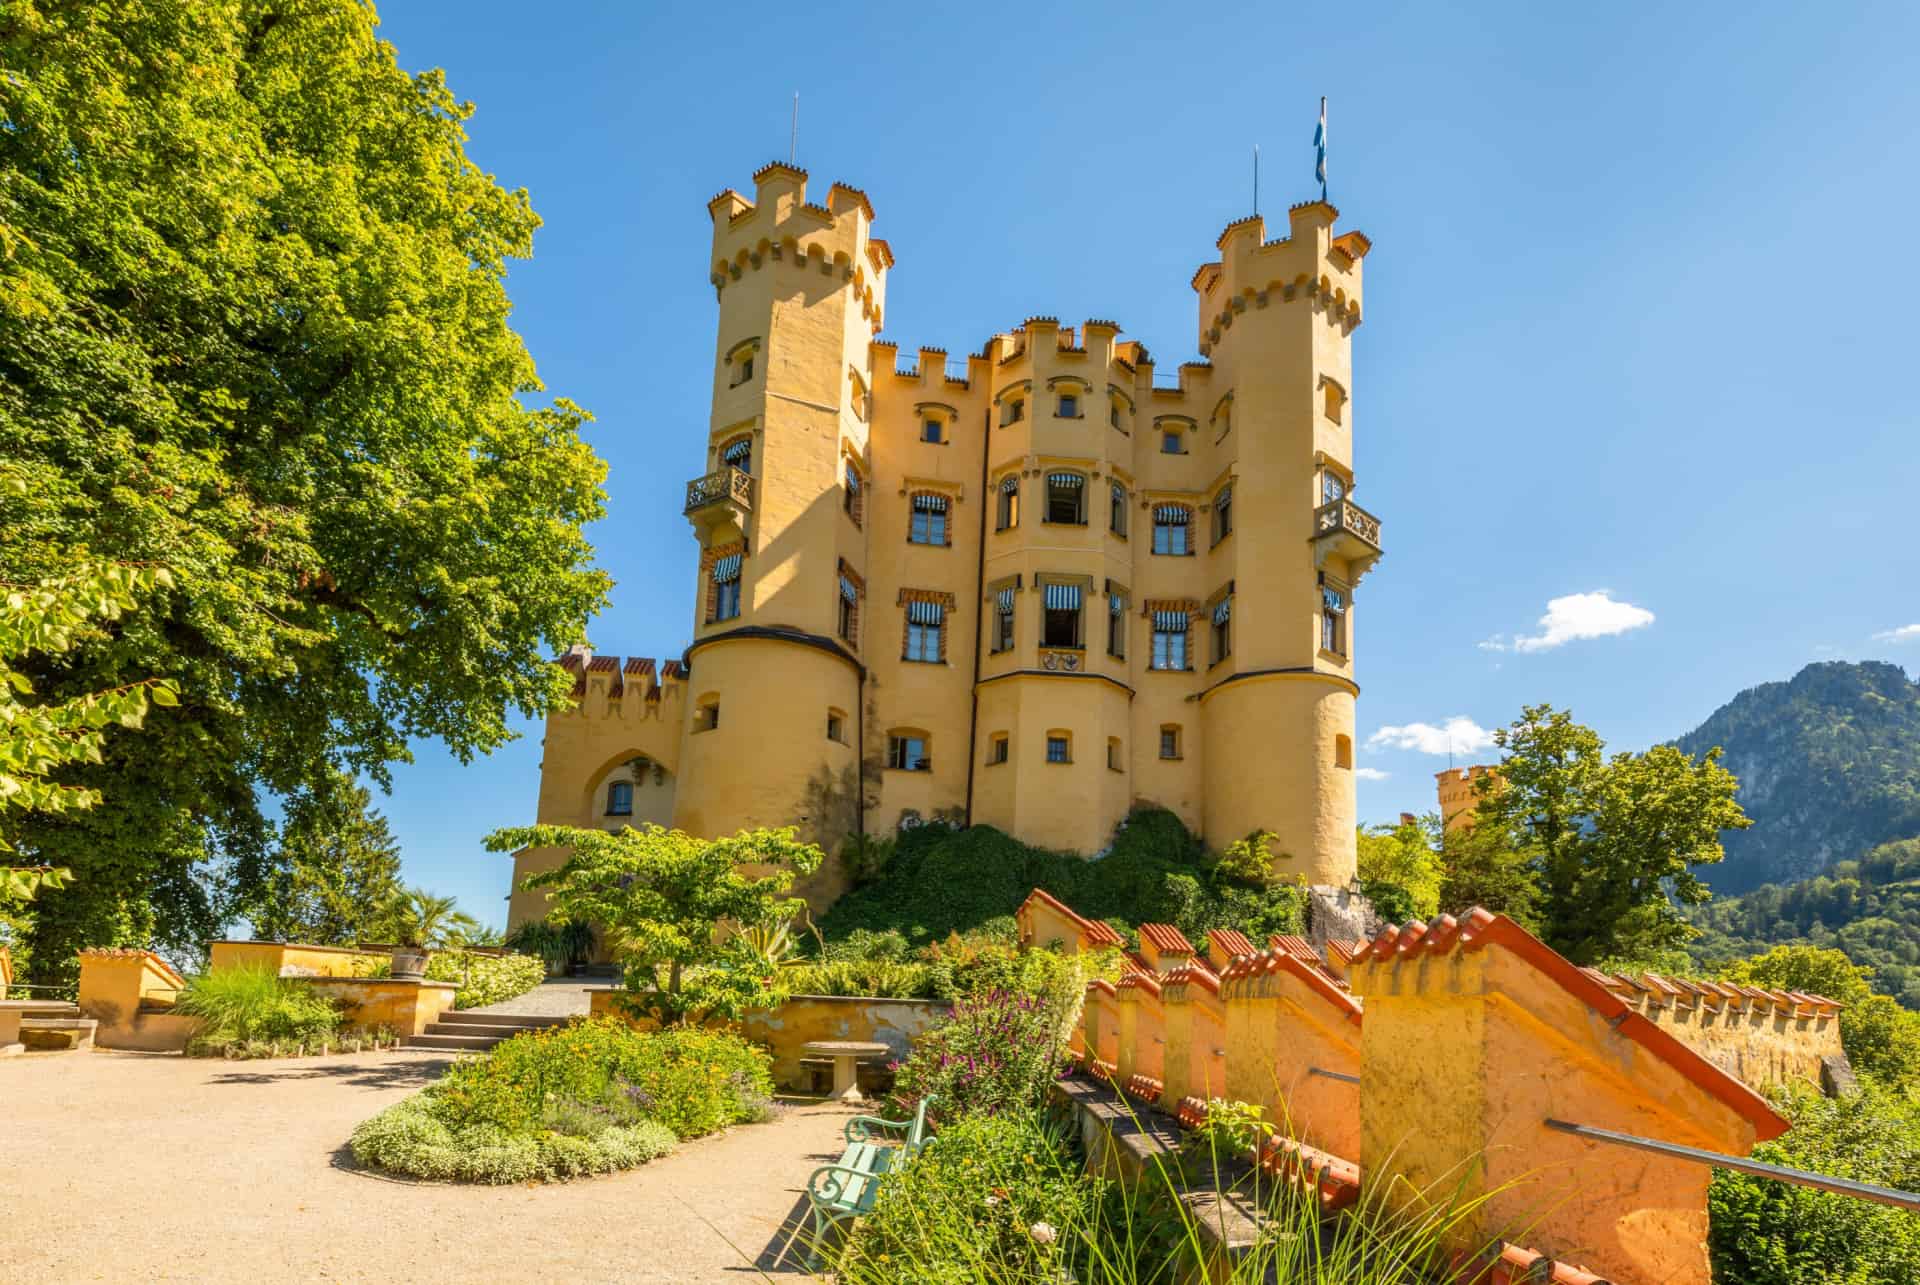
point(1276, 320)
point(774, 717)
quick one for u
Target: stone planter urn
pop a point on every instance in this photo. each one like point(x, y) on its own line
point(409, 963)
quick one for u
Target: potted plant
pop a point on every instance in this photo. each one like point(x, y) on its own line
point(417, 921)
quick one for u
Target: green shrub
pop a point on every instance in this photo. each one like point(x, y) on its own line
point(485, 979)
point(995, 1055)
point(1770, 1233)
point(559, 946)
point(885, 979)
point(251, 1009)
point(865, 944)
point(410, 1138)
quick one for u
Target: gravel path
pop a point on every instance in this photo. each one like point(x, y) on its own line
point(549, 999)
point(126, 1166)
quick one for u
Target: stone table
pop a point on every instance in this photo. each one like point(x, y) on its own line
point(847, 1056)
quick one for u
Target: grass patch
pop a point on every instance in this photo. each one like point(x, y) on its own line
point(590, 1097)
point(250, 1011)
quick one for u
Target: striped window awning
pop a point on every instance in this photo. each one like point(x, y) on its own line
point(737, 454)
point(1010, 484)
point(1005, 599)
point(847, 590)
point(930, 503)
point(1170, 621)
point(727, 568)
point(1223, 499)
point(1063, 597)
point(926, 613)
point(1173, 513)
point(1222, 611)
point(1065, 479)
point(1333, 599)
point(1117, 604)
point(853, 480)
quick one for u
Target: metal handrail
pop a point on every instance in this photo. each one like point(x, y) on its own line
point(1739, 1164)
point(1341, 1076)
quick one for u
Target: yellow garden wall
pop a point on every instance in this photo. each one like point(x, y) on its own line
point(126, 992)
point(405, 1007)
point(287, 959)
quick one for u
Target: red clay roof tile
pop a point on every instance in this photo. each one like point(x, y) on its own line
point(1231, 942)
point(1166, 939)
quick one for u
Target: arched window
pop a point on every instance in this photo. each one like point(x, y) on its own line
point(1170, 534)
point(929, 523)
point(1009, 512)
point(1066, 499)
point(1117, 513)
point(738, 454)
point(620, 798)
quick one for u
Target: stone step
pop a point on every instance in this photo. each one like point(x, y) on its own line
point(476, 1029)
point(58, 1032)
point(453, 1043)
point(519, 1021)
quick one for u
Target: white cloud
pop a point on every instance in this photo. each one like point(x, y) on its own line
point(1371, 774)
point(1458, 735)
point(1905, 633)
point(1574, 617)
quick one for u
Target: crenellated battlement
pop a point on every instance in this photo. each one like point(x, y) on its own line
point(779, 227)
point(607, 687)
point(1310, 266)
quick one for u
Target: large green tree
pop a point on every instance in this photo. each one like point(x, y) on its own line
point(335, 870)
point(1612, 842)
point(254, 328)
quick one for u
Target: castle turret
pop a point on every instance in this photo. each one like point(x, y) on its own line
point(1276, 320)
point(774, 688)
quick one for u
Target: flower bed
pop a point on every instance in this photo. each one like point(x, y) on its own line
point(590, 1097)
point(485, 979)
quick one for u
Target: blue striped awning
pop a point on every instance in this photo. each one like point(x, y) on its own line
point(930, 503)
point(853, 480)
point(1117, 604)
point(926, 613)
point(847, 590)
point(1064, 479)
point(1005, 599)
point(1333, 599)
point(1223, 499)
point(1170, 621)
point(738, 454)
point(1010, 484)
point(727, 568)
point(1170, 513)
point(1063, 597)
point(1222, 611)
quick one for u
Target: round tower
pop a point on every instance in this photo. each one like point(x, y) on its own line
point(1276, 320)
point(774, 685)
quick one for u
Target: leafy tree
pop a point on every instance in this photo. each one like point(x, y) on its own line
point(416, 917)
point(1481, 865)
point(335, 871)
point(669, 906)
point(1612, 841)
point(254, 328)
point(1881, 1039)
point(38, 740)
point(1404, 857)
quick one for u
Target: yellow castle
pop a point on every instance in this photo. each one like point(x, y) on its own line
point(1028, 589)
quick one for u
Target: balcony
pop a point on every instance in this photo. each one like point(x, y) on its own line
point(719, 499)
point(1345, 530)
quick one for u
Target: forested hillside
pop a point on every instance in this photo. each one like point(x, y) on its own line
point(1829, 767)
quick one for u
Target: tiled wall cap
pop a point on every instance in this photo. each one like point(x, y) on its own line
point(1166, 939)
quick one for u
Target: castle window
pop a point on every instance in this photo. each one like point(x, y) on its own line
point(1012, 411)
point(1066, 499)
point(1003, 619)
point(1061, 627)
point(1114, 760)
point(926, 633)
point(1170, 640)
point(1334, 399)
point(1170, 523)
point(929, 523)
point(620, 798)
point(849, 611)
point(706, 714)
point(1170, 741)
point(1068, 406)
point(1117, 626)
point(726, 588)
point(931, 431)
point(1113, 414)
point(1223, 514)
point(858, 400)
point(907, 752)
point(997, 748)
point(740, 363)
point(836, 726)
point(1008, 515)
point(738, 454)
point(1332, 486)
point(1059, 747)
point(1172, 442)
point(1222, 621)
point(1333, 620)
point(1117, 511)
point(854, 501)
point(1343, 751)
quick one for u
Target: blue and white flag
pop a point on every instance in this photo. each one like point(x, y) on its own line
point(1320, 150)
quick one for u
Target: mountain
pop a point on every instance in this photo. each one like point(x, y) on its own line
point(1829, 767)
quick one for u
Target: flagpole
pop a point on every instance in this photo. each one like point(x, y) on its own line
point(1256, 178)
point(1323, 147)
point(793, 138)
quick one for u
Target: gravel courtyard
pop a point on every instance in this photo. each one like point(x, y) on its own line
point(124, 1166)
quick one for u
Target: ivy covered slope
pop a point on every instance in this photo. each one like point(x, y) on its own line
point(937, 880)
point(1829, 767)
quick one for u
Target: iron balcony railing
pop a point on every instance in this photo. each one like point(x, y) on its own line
point(727, 484)
point(1344, 515)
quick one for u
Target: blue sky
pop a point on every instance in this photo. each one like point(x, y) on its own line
point(1639, 339)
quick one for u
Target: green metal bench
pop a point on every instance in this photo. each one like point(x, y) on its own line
point(845, 1190)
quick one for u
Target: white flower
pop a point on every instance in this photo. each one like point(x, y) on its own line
point(992, 1201)
point(1042, 1233)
